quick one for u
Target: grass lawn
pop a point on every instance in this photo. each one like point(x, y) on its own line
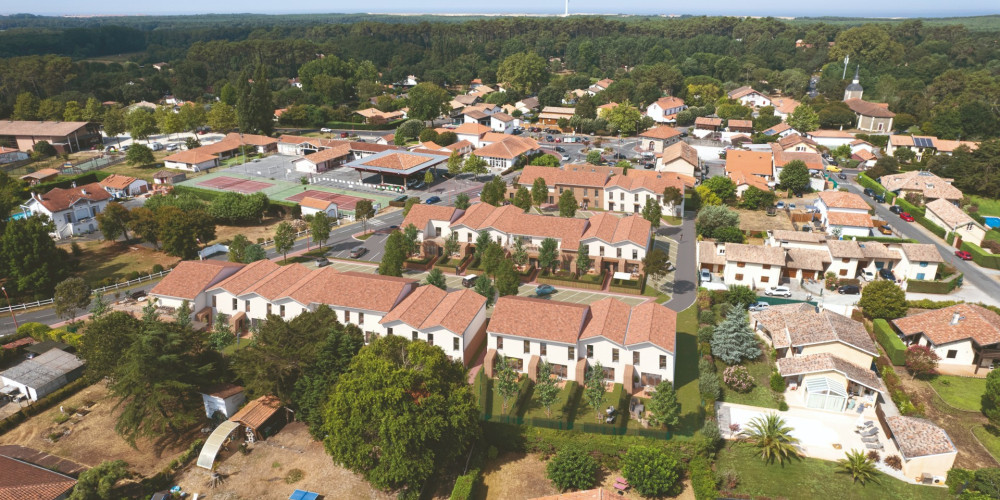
point(987, 206)
point(964, 393)
point(102, 260)
point(812, 478)
point(672, 220)
point(992, 235)
point(990, 439)
point(563, 409)
point(144, 172)
point(364, 237)
point(761, 394)
point(686, 372)
point(652, 291)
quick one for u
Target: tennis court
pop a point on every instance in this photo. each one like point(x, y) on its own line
point(226, 183)
point(343, 201)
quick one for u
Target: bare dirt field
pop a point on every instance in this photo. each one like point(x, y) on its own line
point(757, 220)
point(262, 472)
point(90, 439)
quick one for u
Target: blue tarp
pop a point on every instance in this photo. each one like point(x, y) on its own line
point(303, 495)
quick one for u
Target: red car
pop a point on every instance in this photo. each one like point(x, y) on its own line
point(906, 216)
point(962, 254)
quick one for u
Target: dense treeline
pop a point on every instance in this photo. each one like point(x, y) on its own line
point(942, 79)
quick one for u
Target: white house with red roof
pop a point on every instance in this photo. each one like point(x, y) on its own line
point(189, 280)
point(747, 96)
point(73, 211)
point(962, 334)
point(665, 109)
point(453, 321)
point(846, 211)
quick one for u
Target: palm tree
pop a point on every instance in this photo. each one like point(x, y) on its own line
point(860, 467)
point(772, 436)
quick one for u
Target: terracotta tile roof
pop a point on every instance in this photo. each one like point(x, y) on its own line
point(801, 324)
point(785, 104)
point(491, 137)
point(921, 252)
point(946, 146)
point(680, 150)
point(925, 182)
point(251, 139)
point(222, 390)
point(708, 253)
point(40, 129)
point(416, 307)
point(59, 199)
point(863, 155)
point(661, 132)
point(192, 277)
point(751, 180)
point(351, 290)
point(116, 181)
point(594, 494)
point(570, 175)
point(609, 318)
point(604, 83)
point(558, 110)
point(256, 412)
point(873, 109)
point(612, 229)
point(475, 114)
point(319, 142)
point(949, 213)
point(472, 129)
point(315, 203)
point(777, 129)
point(282, 281)
point(504, 117)
point(917, 437)
point(509, 148)
point(653, 323)
point(742, 91)
point(24, 481)
point(456, 311)
point(44, 173)
point(330, 153)
point(812, 260)
point(831, 134)
point(371, 147)
point(849, 219)
point(420, 214)
point(191, 157)
point(793, 140)
point(813, 161)
point(247, 278)
point(538, 319)
point(788, 235)
point(841, 199)
point(825, 362)
point(876, 250)
point(669, 102)
point(749, 163)
point(458, 145)
point(708, 122)
point(650, 180)
point(755, 254)
point(942, 326)
point(740, 124)
point(396, 161)
point(512, 220)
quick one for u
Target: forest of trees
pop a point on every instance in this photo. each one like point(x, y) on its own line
point(941, 78)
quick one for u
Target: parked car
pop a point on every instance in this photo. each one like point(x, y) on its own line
point(778, 291)
point(833, 168)
point(565, 157)
point(866, 275)
point(906, 216)
point(358, 252)
point(895, 209)
point(842, 176)
point(791, 206)
point(323, 261)
point(433, 199)
point(173, 146)
point(780, 205)
point(807, 228)
point(879, 198)
point(155, 146)
point(885, 229)
point(469, 281)
point(549, 138)
point(400, 198)
point(962, 254)
point(758, 306)
point(343, 135)
point(325, 130)
point(706, 276)
point(869, 192)
point(771, 211)
point(849, 290)
point(560, 149)
point(543, 290)
point(886, 274)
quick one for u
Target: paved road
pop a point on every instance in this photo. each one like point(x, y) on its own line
point(973, 273)
point(686, 275)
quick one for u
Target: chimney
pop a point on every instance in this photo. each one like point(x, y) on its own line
point(84, 191)
point(74, 183)
point(955, 318)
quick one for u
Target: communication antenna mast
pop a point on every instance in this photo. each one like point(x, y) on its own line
point(846, 59)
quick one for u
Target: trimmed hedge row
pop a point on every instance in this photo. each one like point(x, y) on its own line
point(464, 485)
point(870, 183)
point(206, 195)
point(980, 256)
point(913, 210)
point(942, 287)
point(702, 479)
point(885, 239)
point(894, 347)
point(364, 126)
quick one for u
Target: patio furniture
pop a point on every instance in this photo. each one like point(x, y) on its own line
point(621, 485)
point(869, 432)
point(874, 446)
point(870, 439)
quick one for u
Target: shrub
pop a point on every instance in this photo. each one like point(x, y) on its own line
point(572, 468)
point(294, 476)
point(705, 333)
point(464, 485)
point(651, 471)
point(706, 365)
point(782, 406)
point(874, 456)
point(894, 462)
point(710, 431)
point(921, 360)
point(60, 418)
point(702, 479)
point(708, 386)
point(34, 330)
point(777, 382)
point(738, 378)
point(157, 268)
point(706, 317)
point(894, 347)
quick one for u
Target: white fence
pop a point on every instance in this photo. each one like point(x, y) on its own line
point(103, 289)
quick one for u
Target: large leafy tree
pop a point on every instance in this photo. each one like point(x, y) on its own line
point(733, 341)
point(883, 299)
point(539, 192)
point(804, 118)
point(524, 72)
point(522, 198)
point(98, 483)
point(651, 471)
point(507, 280)
point(399, 413)
point(652, 212)
point(427, 101)
point(29, 258)
point(107, 337)
point(755, 198)
point(222, 117)
point(333, 356)
point(284, 239)
point(114, 221)
point(664, 407)
point(140, 123)
point(396, 247)
point(506, 383)
point(991, 397)
point(723, 187)
point(484, 286)
point(139, 154)
point(364, 210)
point(181, 232)
point(772, 437)
point(593, 388)
point(319, 228)
point(713, 217)
point(548, 254)
point(494, 191)
point(656, 263)
point(157, 380)
point(624, 117)
point(71, 295)
point(568, 204)
point(794, 176)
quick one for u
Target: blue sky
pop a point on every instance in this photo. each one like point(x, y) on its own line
point(892, 8)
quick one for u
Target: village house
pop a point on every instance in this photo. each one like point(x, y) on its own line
point(847, 212)
point(864, 158)
point(634, 345)
point(926, 185)
point(616, 244)
point(747, 96)
point(453, 321)
point(784, 106)
point(586, 181)
point(189, 280)
point(503, 123)
point(919, 262)
point(73, 211)
point(927, 451)
point(606, 188)
point(123, 186)
point(798, 144)
point(629, 193)
point(472, 132)
point(40, 176)
point(743, 166)
point(781, 130)
point(679, 158)
point(707, 124)
point(191, 160)
point(962, 335)
point(313, 206)
point(665, 109)
point(871, 116)
point(752, 265)
point(550, 115)
point(503, 154)
point(600, 86)
point(954, 220)
point(831, 139)
point(658, 138)
point(431, 221)
point(740, 126)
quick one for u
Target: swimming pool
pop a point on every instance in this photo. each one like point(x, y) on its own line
point(991, 221)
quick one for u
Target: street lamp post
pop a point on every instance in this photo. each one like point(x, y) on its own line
point(12, 316)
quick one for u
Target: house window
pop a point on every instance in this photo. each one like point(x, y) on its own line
point(767, 266)
point(454, 344)
point(269, 309)
point(468, 237)
point(765, 279)
point(614, 355)
point(635, 358)
point(571, 353)
point(585, 191)
point(663, 362)
point(741, 264)
point(526, 347)
point(923, 264)
point(618, 252)
point(952, 354)
point(635, 254)
point(739, 277)
point(246, 305)
point(214, 302)
point(845, 261)
point(236, 305)
point(543, 349)
point(414, 334)
point(437, 231)
point(590, 352)
point(843, 272)
point(281, 311)
point(920, 276)
point(635, 197)
point(611, 206)
point(499, 343)
point(560, 189)
point(621, 196)
point(347, 316)
point(361, 318)
point(389, 331)
point(600, 250)
point(430, 338)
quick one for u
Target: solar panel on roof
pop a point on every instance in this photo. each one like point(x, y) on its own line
point(922, 142)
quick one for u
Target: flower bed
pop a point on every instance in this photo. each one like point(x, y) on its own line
point(420, 264)
point(738, 378)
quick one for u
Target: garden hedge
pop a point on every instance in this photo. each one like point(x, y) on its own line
point(894, 347)
point(980, 256)
point(942, 287)
point(870, 183)
point(884, 239)
point(932, 227)
point(702, 479)
point(915, 211)
point(464, 485)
